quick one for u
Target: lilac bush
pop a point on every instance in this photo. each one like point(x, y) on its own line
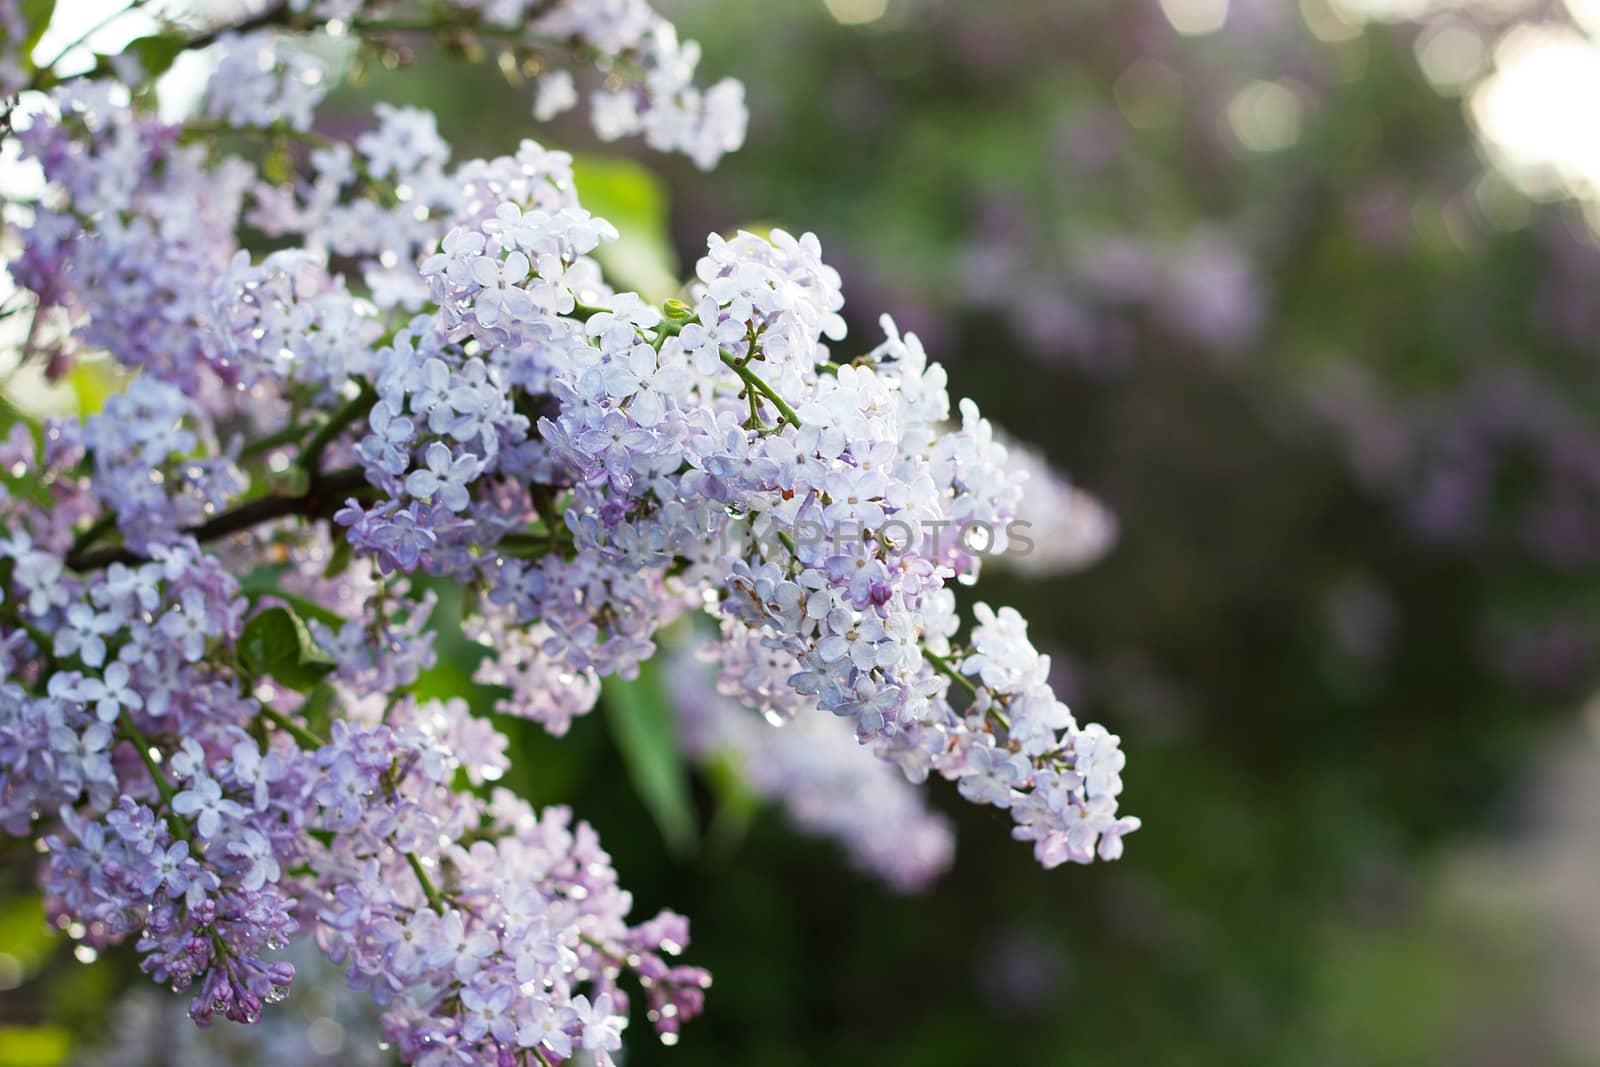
point(355, 363)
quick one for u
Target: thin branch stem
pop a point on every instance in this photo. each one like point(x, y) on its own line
point(277, 439)
point(429, 890)
point(424, 25)
point(323, 496)
point(103, 525)
point(302, 735)
point(338, 422)
point(141, 745)
point(943, 666)
point(754, 381)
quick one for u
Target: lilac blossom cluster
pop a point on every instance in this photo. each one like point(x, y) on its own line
point(1205, 288)
point(644, 73)
point(1071, 528)
point(826, 783)
point(211, 621)
point(180, 811)
point(324, 1025)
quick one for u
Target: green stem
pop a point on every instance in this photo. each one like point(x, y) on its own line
point(544, 505)
point(435, 900)
point(286, 436)
point(42, 639)
point(754, 381)
point(482, 29)
point(944, 667)
point(338, 422)
point(302, 735)
point(535, 543)
point(82, 542)
point(141, 744)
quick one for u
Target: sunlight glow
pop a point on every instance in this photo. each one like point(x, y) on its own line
point(1536, 112)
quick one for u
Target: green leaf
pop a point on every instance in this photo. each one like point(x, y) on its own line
point(26, 935)
point(737, 805)
point(157, 52)
point(632, 198)
point(276, 644)
point(37, 14)
point(33, 1046)
point(263, 582)
point(318, 708)
point(646, 735)
point(339, 559)
point(93, 382)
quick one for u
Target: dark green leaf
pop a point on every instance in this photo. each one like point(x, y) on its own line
point(37, 14)
point(737, 806)
point(634, 200)
point(646, 735)
point(25, 933)
point(276, 644)
point(340, 559)
point(318, 708)
point(33, 1046)
point(263, 582)
point(156, 52)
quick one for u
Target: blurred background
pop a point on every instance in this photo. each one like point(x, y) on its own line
point(1308, 293)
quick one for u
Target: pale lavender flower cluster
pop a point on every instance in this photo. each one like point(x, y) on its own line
point(645, 73)
point(323, 1025)
point(209, 616)
point(158, 852)
point(507, 932)
point(826, 783)
point(478, 923)
point(1069, 528)
point(134, 230)
point(1205, 287)
point(261, 80)
point(650, 90)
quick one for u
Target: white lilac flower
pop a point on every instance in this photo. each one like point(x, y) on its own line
point(445, 476)
point(556, 94)
point(112, 692)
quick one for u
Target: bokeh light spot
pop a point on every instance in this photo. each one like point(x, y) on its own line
point(1265, 116)
point(856, 12)
point(1192, 18)
point(1148, 94)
